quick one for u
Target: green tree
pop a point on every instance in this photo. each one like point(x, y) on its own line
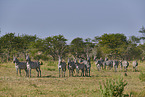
point(77, 47)
point(111, 43)
point(134, 39)
point(88, 46)
point(142, 31)
point(55, 46)
point(7, 45)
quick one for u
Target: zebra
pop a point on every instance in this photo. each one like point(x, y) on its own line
point(115, 65)
point(79, 66)
point(61, 66)
point(125, 64)
point(71, 66)
point(108, 63)
point(19, 66)
point(99, 63)
point(135, 64)
point(33, 65)
point(87, 64)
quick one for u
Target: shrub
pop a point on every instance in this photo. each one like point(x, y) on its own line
point(142, 76)
point(113, 87)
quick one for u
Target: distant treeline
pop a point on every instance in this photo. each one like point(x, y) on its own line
point(113, 46)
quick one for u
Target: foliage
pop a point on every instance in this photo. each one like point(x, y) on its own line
point(55, 46)
point(142, 76)
point(142, 31)
point(115, 46)
point(77, 47)
point(111, 43)
point(113, 87)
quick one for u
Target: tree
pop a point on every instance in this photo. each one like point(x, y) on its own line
point(77, 47)
point(88, 46)
point(142, 31)
point(55, 46)
point(7, 45)
point(111, 43)
point(134, 39)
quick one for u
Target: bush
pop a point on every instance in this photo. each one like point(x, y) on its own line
point(113, 87)
point(43, 57)
point(142, 76)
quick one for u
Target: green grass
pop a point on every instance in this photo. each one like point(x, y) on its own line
point(53, 86)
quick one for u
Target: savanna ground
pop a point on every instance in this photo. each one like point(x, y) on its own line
point(51, 85)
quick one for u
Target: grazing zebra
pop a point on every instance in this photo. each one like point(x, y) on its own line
point(33, 65)
point(71, 66)
point(79, 66)
point(61, 66)
point(19, 65)
point(125, 64)
point(135, 64)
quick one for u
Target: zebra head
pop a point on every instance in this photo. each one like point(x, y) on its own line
point(27, 58)
point(15, 60)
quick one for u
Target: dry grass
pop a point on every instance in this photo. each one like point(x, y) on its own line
point(53, 86)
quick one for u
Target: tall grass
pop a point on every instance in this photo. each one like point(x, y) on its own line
point(51, 85)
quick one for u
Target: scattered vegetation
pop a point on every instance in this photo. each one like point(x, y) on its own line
point(142, 76)
point(113, 88)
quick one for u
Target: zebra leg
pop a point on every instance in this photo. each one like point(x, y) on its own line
point(20, 71)
point(64, 73)
point(98, 67)
point(72, 72)
point(115, 68)
point(30, 72)
point(135, 68)
point(83, 71)
point(69, 72)
point(59, 72)
point(17, 71)
point(89, 71)
point(125, 69)
point(105, 67)
point(40, 72)
point(37, 72)
point(77, 71)
point(26, 72)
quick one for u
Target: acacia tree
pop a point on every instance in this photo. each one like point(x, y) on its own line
point(55, 46)
point(111, 43)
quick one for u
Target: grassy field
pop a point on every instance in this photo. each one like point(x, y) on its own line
point(51, 85)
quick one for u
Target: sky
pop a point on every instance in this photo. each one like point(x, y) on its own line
point(72, 18)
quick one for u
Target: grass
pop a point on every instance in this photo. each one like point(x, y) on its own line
point(53, 86)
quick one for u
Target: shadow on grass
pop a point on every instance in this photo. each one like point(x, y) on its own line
point(49, 76)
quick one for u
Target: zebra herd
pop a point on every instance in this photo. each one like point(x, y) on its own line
point(83, 65)
point(27, 66)
point(73, 65)
point(100, 63)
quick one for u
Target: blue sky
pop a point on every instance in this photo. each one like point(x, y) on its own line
point(72, 18)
